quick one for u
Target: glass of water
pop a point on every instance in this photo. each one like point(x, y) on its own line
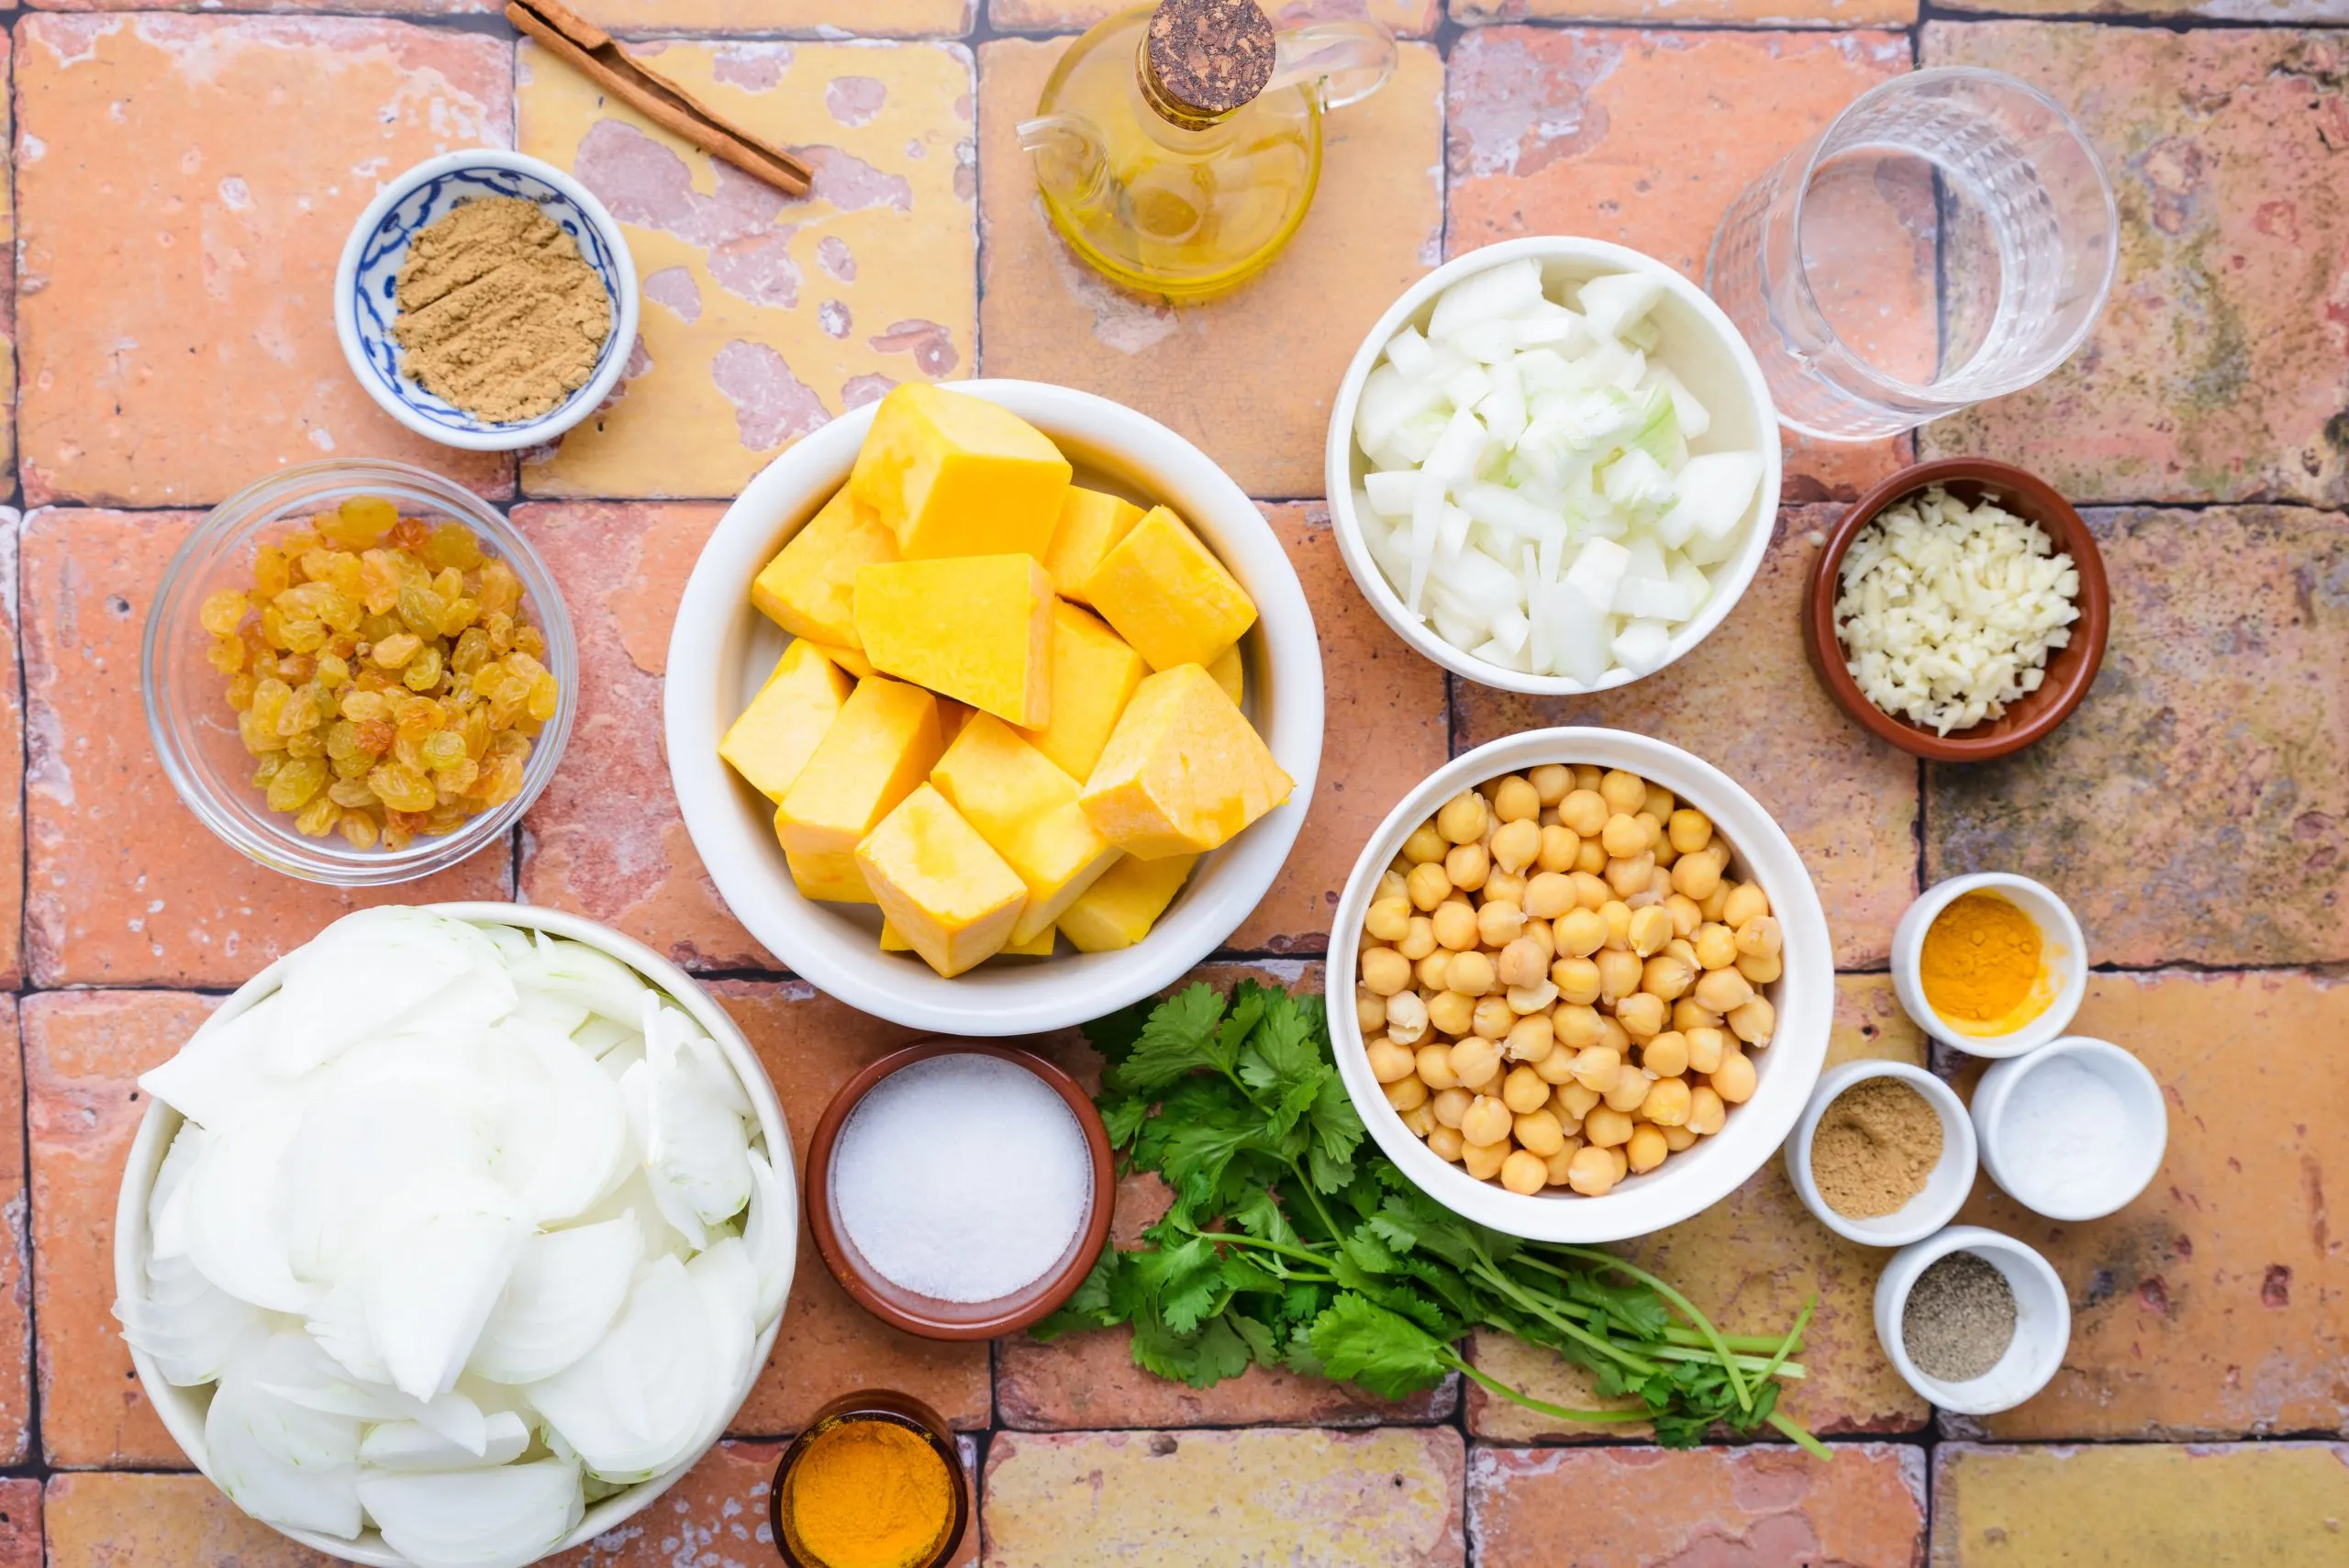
point(1948, 237)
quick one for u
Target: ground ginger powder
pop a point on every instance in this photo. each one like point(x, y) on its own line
point(1874, 1148)
point(498, 314)
point(868, 1494)
point(1981, 960)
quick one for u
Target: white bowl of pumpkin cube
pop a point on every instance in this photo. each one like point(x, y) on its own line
point(993, 707)
point(1580, 985)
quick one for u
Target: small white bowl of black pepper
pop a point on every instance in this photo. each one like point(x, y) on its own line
point(1975, 1322)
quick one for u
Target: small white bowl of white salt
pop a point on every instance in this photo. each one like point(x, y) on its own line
point(2074, 1131)
point(960, 1190)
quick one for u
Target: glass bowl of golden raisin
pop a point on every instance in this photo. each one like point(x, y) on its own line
point(358, 673)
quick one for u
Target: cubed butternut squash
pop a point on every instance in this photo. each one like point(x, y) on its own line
point(830, 878)
point(1094, 674)
point(978, 629)
point(1091, 523)
point(1168, 596)
point(1183, 771)
point(778, 732)
point(808, 589)
point(1124, 903)
point(953, 475)
point(883, 744)
point(1026, 808)
point(1038, 946)
point(1231, 674)
point(939, 884)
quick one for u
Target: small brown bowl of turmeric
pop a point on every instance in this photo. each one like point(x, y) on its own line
point(876, 1481)
point(1994, 964)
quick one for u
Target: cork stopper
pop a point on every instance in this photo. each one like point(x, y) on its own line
point(1210, 56)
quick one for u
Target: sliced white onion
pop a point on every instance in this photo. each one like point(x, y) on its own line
point(274, 1459)
point(636, 1404)
point(475, 1518)
point(430, 1285)
point(772, 1235)
point(383, 969)
point(412, 1445)
point(696, 1147)
point(187, 1324)
point(236, 1224)
point(564, 1291)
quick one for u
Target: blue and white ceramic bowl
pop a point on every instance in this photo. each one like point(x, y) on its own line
point(363, 283)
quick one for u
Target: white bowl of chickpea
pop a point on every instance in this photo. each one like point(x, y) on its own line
point(1580, 985)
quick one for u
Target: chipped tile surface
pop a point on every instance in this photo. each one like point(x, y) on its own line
point(747, 18)
point(1750, 1263)
point(1250, 376)
point(1728, 1505)
point(16, 1273)
point(810, 1046)
point(1596, 132)
point(605, 840)
point(20, 1538)
point(1383, 731)
point(125, 888)
point(1412, 16)
point(2216, 1505)
point(176, 302)
point(151, 1521)
point(1162, 1499)
point(8, 296)
point(764, 316)
point(1745, 699)
point(2210, 762)
point(83, 1052)
point(12, 761)
point(2211, 1305)
point(2221, 369)
point(1741, 13)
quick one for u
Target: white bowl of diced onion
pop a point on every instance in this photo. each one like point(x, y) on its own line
point(189, 1339)
point(1553, 465)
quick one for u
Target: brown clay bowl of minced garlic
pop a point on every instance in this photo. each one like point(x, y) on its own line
point(486, 300)
point(2067, 672)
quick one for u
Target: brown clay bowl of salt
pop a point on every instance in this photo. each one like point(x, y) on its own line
point(959, 1189)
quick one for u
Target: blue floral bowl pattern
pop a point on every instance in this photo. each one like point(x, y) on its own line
point(364, 285)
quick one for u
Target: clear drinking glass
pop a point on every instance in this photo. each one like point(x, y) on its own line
point(1948, 237)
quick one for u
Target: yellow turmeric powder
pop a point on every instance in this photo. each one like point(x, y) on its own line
point(867, 1494)
point(1981, 966)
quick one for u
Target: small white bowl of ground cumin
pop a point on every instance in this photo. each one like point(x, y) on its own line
point(486, 300)
point(1883, 1154)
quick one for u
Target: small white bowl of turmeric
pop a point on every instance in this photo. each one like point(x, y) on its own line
point(1993, 964)
point(486, 300)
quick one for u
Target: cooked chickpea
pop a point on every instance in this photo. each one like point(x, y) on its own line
point(1679, 1138)
point(1588, 774)
point(1685, 916)
point(1522, 1090)
point(1392, 883)
point(1389, 919)
point(1706, 1111)
point(1755, 1022)
point(1385, 971)
point(1522, 963)
point(1499, 922)
point(1537, 930)
point(1484, 1160)
point(1456, 925)
point(1618, 915)
point(1666, 1055)
point(1690, 1014)
point(1746, 902)
point(1760, 969)
point(1406, 1093)
point(1370, 1010)
point(1516, 845)
point(1723, 990)
point(1429, 886)
point(1618, 974)
point(1711, 904)
point(1556, 1068)
point(1700, 874)
point(1733, 1080)
point(1623, 792)
point(1652, 837)
point(1650, 929)
point(1606, 1126)
point(1577, 980)
point(1451, 1013)
point(1419, 941)
point(1611, 1036)
point(1474, 1059)
point(1597, 1067)
point(1471, 974)
point(1508, 884)
point(1493, 1017)
point(1548, 894)
point(1407, 1017)
point(1389, 1062)
point(1420, 1120)
point(1537, 998)
point(1575, 1101)
point(1591, 891)
point(1516, 800)
point(1584, 811)
point(1529, 1039)
point(1759, 937)
point(1560, 1164)
point(1622, 1162)
point(1447, 1142)
point(1561, 847)
point(1706, 1048)
point(1629, 1092)
point(1461, 819)
point(1688, 831)
point(1716, 945)
point(1667, 1102)
point(1486, 1120)
point(1452, 1104)
point(1424, 845)
point(1623, 835)
point(1468, 866)
point(1627, 878)
point(1592, 1172)
point(1667, 976)
point(1659, 882)
point(1550, 782)
point(1579, 932)
point(1433, 970)
point(1646, 1150)
point(1577, 1024)
point(1641, 1015)
point(1524, 1172)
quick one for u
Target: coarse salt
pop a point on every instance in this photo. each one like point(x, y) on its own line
point(962, 1177)
point(2065, 1131)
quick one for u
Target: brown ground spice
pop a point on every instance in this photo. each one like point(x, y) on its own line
point(498, 314)
point(1874, 1148)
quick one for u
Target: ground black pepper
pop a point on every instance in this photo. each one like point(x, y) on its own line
point(1959, 1318)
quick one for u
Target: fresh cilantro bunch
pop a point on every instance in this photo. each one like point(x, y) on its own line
point(1293, 1243)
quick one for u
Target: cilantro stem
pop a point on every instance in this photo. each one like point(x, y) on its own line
point(1703, 1324)
point(1674, 1333)
point(1305, 1186)
point(1560, 1412)
point(1558, 1320)
point(1794, 1337)
point(1793, 1372)
point(1794, 1430)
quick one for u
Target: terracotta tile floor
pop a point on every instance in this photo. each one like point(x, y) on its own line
point(181, 184)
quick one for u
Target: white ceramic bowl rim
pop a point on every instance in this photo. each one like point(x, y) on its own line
point(734, 836)
point(609, 364)
point(1788, 1067)
point(177, 1406)
point(1730, 579)
point(2148, 1143)
point(2036, 900)
point(1952, 1174)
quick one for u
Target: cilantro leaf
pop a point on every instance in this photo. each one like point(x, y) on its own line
point(1179, 1036)
point(1091, 1306)
point(1358, 1341)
